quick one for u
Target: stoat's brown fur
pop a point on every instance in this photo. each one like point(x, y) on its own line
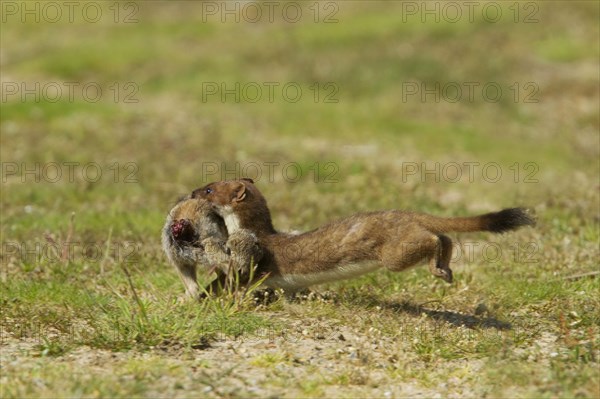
point(208, 245)
point(351, 246)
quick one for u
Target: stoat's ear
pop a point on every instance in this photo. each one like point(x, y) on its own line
point(238, 191)
point(247, 179)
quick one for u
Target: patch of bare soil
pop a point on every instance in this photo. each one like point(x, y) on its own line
point(309, 357)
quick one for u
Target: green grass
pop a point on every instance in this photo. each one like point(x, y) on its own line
point(74, 324)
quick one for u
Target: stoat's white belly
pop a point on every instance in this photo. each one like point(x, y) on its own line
point(342, 272)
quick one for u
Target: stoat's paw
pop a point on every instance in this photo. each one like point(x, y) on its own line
point(214, 251)
point(445, 274)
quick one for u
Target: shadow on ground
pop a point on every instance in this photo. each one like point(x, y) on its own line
point(454, 318)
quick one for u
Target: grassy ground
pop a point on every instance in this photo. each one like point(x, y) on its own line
point(90, 306)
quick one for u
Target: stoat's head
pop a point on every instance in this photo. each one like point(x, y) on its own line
point(240, 198)
point(228, 192)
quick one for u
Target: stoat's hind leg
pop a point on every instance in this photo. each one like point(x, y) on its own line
point(422, 245)
point(439, 264)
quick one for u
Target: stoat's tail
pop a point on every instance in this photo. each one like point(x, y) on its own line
point(496, 222)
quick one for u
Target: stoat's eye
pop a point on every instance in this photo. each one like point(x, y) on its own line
point(209, 190)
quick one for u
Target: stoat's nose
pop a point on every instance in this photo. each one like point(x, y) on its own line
point(196, 193)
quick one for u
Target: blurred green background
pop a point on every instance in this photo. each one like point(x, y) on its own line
point(378, 94)
point(111, 111)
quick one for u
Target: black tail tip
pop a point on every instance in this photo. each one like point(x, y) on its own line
point(510, 219)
